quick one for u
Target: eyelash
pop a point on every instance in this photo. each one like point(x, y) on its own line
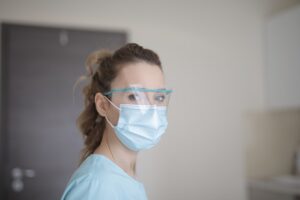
point(159, 97)
point(134, 97)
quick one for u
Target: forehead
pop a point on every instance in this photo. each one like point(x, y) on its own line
point(141, 73)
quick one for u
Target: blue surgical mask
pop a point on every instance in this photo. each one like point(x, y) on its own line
point(140, 127)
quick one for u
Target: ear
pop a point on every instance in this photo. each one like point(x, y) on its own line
point(101, 104)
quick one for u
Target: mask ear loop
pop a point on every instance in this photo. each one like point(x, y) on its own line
point(112, 103)
point(106, 116)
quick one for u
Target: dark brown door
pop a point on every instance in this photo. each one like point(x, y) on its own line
point(40, 143)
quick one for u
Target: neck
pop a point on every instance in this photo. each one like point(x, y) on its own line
point(117, 152)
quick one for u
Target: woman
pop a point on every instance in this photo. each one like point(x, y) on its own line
point(125, 112)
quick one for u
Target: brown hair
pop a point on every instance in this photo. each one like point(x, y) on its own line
point(107, 64)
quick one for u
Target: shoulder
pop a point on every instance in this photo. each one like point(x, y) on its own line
point(92, 180)
point(88, 187)
point(98, 178)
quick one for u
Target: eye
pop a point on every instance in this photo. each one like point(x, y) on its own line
point(160, 98)
point(133, 97)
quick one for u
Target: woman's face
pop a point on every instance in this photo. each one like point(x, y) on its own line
point(141, 73)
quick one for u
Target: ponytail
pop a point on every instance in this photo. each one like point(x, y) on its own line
point(89, 122)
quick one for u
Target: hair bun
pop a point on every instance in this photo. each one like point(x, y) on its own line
point(95, 59)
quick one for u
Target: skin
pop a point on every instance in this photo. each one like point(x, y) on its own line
point(145, 74)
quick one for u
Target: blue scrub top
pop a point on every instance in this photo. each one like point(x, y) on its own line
point(99, 178)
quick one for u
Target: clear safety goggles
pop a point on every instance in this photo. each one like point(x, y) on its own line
point(138, 95)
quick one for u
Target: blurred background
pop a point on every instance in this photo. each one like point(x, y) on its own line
point(234, 116)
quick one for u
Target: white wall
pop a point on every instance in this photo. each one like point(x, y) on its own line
point(283, 60)
point(212, 52)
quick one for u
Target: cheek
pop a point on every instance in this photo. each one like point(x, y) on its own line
point(113, 115)
point(114, 112)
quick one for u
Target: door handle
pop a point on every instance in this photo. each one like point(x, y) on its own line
point(17, 177)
